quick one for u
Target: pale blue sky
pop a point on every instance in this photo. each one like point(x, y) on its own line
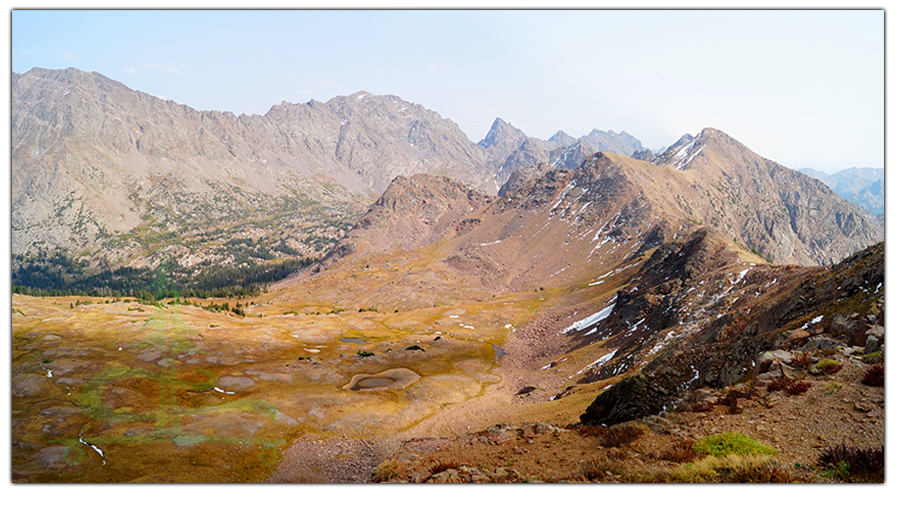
point(805, 88)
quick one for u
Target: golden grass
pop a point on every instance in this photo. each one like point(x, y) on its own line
point(732, 469)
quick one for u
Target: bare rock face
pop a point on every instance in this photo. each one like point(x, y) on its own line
point(571, 156)
point(522, 175)
point(562, 139)
point(501, 140)
point(94, 160)
point(786, 216)
point(512, 149)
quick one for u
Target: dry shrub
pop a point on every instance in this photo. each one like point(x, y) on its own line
point(874, 376)
point(610, 468)
point(620, 435)
point(591, 430)
point(680, 452)
point(854, 464)
point(442, 466)
point(732, 469)
point(702, 407)
point(798, 388)
point(594, 470)
point(801, 360)
point(779, 384)
point(386, 471)
point(789, 385)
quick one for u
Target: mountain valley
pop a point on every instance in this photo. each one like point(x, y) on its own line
point(436, 310)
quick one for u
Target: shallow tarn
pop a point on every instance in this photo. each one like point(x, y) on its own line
point(395, 378)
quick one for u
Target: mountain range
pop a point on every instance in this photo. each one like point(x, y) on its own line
point(445, 285)
point(106, 172)
point(862, 186)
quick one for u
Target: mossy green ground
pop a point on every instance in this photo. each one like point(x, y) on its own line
point(728, 443)
point(125, 392)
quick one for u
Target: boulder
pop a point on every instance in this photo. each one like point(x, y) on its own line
point(766, 359)
point(872, 344)
point(798, 334)
point(821, 343)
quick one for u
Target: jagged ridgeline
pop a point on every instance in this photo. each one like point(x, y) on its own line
point(107, 182)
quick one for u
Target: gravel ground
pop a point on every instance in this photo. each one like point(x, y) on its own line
point(330, 460)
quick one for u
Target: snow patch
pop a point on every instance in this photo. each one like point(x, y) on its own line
point(591, 320)
point(814, 321)
point(599, 363)
point(94, 447)
point(741, 276)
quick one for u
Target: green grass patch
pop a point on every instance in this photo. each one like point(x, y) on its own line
point(721, 445)
point(870, 359)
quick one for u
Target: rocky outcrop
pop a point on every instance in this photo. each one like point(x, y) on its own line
point(725, 350)
point(412, 212)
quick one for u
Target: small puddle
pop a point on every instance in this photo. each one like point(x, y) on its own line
point(374, 382)
point(395, 378)
point(498, 351)
point(357, 341)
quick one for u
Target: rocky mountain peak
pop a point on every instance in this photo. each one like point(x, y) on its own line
point(502, 139)
point(610, 141)
point(94, 159)
point(562, 139)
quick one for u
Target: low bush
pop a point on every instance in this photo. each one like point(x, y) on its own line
point(854, 464)
point(619, 435)
point(779, 384)
point(680, 452)
point(828, 367)
point(833, 387)
point(789, 385)
point(798, 388)
point(875, 357)
point(874, 376)
point(594, 470)
point(720, 445)
point(386, 471)
point(801, 360)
